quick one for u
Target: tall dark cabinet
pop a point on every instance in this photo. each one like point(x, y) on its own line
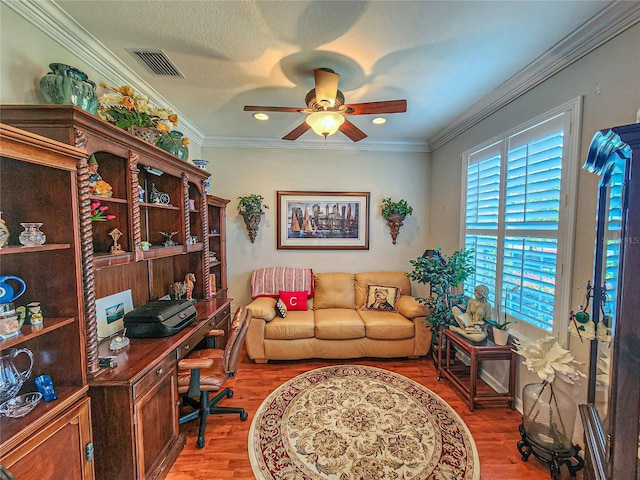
point(612, 415)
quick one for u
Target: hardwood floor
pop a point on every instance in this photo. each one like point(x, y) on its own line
point(224, 456)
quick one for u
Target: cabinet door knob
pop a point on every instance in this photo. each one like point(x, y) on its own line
point(160, 371)
point(187, 347)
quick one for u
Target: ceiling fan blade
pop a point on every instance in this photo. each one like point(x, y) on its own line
point(372, 108)
point(351, 131)
point(326, 86)
point(254, 108)
point(296, 132)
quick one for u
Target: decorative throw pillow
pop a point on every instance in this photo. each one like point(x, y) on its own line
point(294, 300)
point(381, 298)
point(281, 308)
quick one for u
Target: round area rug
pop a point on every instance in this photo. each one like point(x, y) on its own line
point(357, 422)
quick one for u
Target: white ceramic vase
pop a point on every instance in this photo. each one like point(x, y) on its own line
point(500, 337)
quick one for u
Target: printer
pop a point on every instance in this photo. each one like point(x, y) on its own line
point(161, 318)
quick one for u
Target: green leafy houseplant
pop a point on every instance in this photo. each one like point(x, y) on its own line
point(444, 274)
point(497, 324)
point(401, 208)
point(251, 204)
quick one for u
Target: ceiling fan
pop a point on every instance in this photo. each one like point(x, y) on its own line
point(327, 110)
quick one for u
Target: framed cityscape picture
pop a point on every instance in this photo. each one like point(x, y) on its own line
point(323, 220)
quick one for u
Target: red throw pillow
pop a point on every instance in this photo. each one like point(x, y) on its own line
point(294, 300)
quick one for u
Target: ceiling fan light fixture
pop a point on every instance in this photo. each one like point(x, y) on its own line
point(379, 120)
point(261, 116)
point(325, 123)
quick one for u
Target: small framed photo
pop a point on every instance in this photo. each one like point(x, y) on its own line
point(323, 220)
point(110, 311)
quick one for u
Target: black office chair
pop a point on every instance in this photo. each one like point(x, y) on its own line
point(207, 370)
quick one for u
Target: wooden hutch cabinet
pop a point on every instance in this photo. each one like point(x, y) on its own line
point(52, 441)
point(217, 208)
point(611, 418)
point(160, 199)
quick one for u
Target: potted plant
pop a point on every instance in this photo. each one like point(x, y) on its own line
point(444, 274)
point(500, 330)
point(251, 207)
point(395, 213)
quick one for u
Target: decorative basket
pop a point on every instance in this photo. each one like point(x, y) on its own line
point(148, 134)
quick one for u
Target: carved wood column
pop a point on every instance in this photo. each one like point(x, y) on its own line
point(204, 209)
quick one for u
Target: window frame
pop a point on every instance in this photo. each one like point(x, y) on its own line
point(571, 112)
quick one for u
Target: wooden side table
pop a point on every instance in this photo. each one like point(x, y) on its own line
point(465, 379)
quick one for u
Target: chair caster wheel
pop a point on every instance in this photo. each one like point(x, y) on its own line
point(200, 443)
point(230, 394)
point(244, 416)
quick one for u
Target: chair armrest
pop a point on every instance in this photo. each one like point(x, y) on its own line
point(193, 363)
point(215, 333)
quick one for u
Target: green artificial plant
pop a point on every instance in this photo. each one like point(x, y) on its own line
point(251, 204)
point(400, 207)
point(444, 274)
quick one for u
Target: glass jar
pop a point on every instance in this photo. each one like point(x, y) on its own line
point(4, 233)
point(548, 416)
point(32, 235)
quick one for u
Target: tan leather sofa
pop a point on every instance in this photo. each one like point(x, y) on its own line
point(335, 326)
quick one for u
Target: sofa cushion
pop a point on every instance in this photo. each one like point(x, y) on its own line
point(338, 324)
point(294, 300)
point(281, 308)
point(381, 298)
point(334, 290)
point(392, 279)
point(296, 325)
point(386, 325)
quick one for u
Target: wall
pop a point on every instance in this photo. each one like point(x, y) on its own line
point(237, 172)
point(615, 67)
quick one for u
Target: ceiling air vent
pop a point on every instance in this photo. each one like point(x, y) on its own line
point(157, 62)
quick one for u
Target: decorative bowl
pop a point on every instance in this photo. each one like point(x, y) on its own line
point(21, 405)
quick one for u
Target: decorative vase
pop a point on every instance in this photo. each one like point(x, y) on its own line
point(4, 233)
point(32, 235)
point(500, 337)
point(548, 416)
point(148, 134)
point(172, 143)
point(395, 222)
point(203, 165)
point(252, 221)
point(66, 85)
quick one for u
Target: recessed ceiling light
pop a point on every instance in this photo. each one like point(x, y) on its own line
point(379, 120)
point(261, 116)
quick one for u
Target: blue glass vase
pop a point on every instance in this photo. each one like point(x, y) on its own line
point(66, 85)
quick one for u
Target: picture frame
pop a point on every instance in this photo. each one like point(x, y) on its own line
point(110, 312)
point(308, 220)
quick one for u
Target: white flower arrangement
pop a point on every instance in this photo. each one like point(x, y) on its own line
point(547, 358)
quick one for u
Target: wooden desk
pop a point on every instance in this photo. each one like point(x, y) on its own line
point(465, 379)
point(134, 406)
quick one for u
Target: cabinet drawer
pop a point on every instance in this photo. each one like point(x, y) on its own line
point(152, 377)
point(221, 318)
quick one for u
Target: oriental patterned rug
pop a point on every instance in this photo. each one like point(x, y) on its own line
point(357, 422)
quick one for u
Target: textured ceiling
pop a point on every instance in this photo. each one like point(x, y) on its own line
point(442, 56)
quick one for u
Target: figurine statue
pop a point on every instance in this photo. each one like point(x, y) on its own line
point(471, 323)
point(97, 186)
point(178, 290)
point(169, 242)
point(115, 234)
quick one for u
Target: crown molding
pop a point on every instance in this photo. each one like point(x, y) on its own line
point(333, 143)
point(602, 27)
point(50, 19)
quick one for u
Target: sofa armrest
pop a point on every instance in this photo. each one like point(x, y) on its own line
point(411, 308)
point(263, 308)
point(423, 337)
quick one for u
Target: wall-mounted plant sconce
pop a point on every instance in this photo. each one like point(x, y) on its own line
point(251, 207)
point(395, 213)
